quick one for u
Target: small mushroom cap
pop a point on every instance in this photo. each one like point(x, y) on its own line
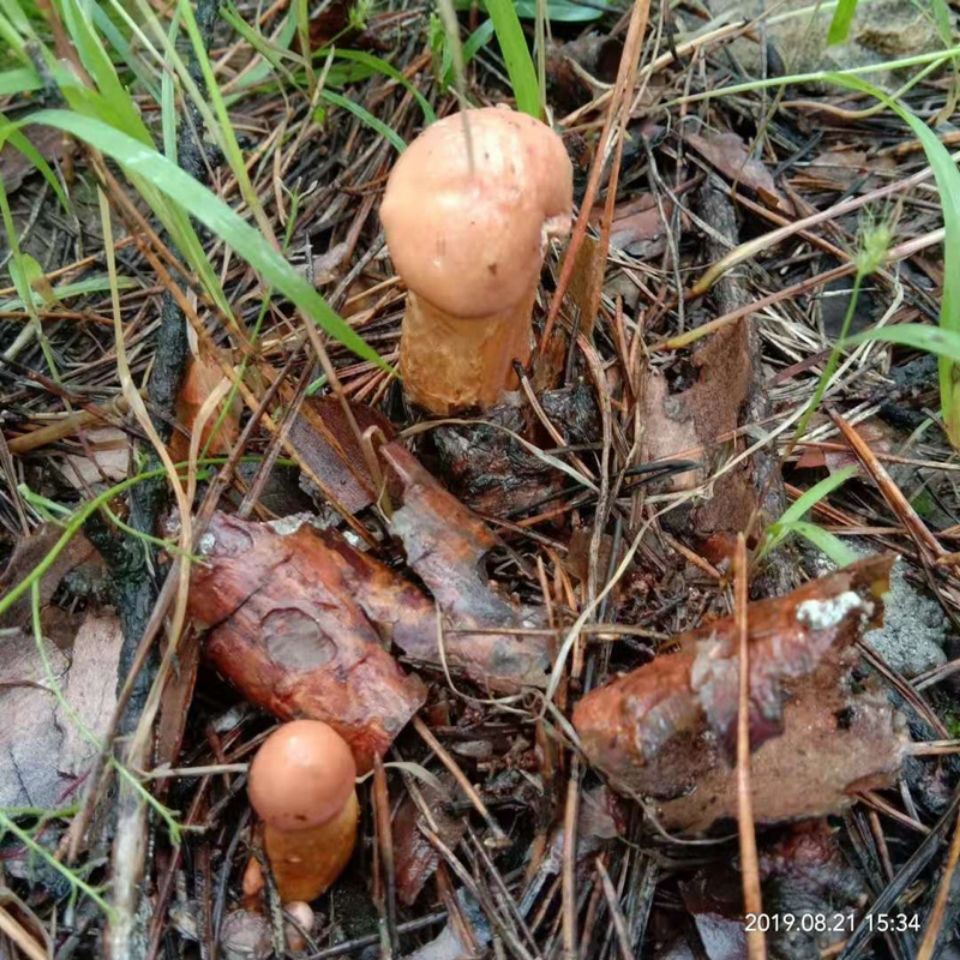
point(302, 776)
point(472, 242)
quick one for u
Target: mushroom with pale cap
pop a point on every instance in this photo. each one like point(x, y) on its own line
point(468, 214)
point(302, 785)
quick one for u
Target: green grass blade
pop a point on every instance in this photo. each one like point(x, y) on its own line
point(381, 66)
point(947, 177)
point(823, 540)
point(19, 80)
point(792, 520)
point(366, 117)
point(98, 64)
point(516, 55)
point(210, 210)
point(222, 126)
point(18, 19)
point(806, 501)
point(476, 41)
point(936, 340)
point(841, 22)
point(558, 11)
point(19, 142)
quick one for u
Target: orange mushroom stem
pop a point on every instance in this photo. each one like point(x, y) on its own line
point(468, 212)
point(302, 785)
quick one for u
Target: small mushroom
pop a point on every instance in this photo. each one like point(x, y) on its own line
point(302, 785)
point(468, 239)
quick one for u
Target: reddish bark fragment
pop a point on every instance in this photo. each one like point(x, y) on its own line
point(445, 544)
point(299, 621)
point(667, 729)
point(416, 858)
point(326, 442)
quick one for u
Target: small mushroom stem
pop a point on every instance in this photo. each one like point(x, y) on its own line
point(302, 784)
point(451, 363)
point(306, 862)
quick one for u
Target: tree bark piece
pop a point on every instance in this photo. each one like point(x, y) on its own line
point(446, 544)
point(298, 624)
point(667, 730)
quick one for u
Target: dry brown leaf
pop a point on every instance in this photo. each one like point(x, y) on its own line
point(202, 377)
point(730, 155)
point(42, 751)
point(90, 688)
point(666, 730)
point(78, 556)
point(690, 425)
point(29, 738)
point(49, 142)
point(416, 858)
point(108, 461)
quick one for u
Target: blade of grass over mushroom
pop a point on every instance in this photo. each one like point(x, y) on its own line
point(365, 116)
point(217, 216)
point(516, 55)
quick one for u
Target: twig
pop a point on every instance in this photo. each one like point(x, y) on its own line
point(935, 920)
point(749, 865)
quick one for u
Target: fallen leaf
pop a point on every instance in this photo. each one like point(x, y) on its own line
point(108, 460)
point(49, 142)
point(203, 376)
point(667, 730)
point(42, 750)
point(90, 689)
point(78, 556)
point(729, 154)
point(638, 226)
point(693, 424)
point(416, 858)
point(29, 738)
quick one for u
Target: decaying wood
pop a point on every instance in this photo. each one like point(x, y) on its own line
point(666, 730)
point(301, 621)
point(445, 545)
point(296, 616)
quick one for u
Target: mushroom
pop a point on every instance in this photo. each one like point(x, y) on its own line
point(468, 239)
point(302, 785)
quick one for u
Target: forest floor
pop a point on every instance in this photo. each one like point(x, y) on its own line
point(532, 623)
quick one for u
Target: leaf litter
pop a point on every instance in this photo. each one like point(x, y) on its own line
point(420, 603)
